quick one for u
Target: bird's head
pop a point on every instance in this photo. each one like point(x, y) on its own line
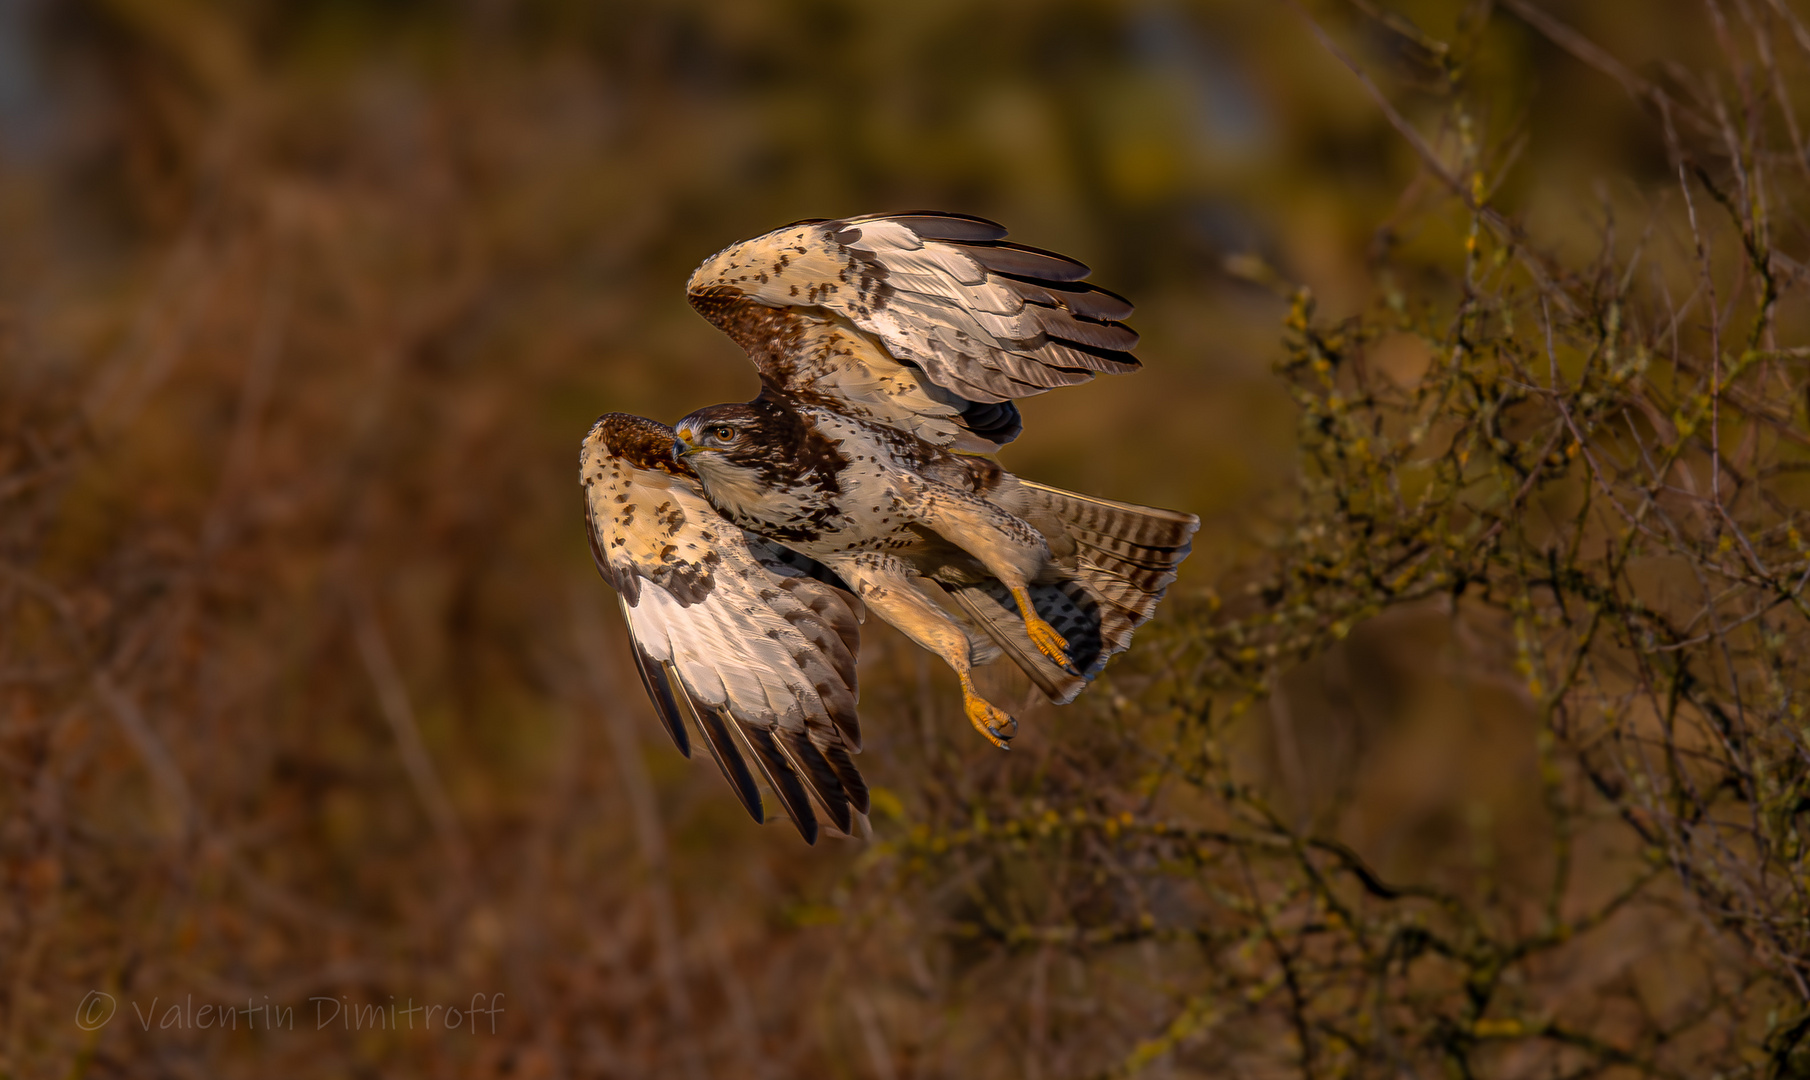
point(729, 449)
point(724, 444)
point(719, 431)
point(758, 460)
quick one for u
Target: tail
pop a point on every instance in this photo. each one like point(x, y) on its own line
point(1116, 561)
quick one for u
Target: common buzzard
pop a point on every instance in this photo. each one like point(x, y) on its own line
point(746, 544)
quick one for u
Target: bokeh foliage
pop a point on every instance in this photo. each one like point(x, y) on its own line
point(1590, 473)
point(1471, 742)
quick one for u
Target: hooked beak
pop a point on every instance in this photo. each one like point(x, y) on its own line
point(683, 448)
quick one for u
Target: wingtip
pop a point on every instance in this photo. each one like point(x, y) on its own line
point(940, 224)
point(657, 681)
point(1031, 263)
point(819, 777)
point(780, 776)
point(714, 724)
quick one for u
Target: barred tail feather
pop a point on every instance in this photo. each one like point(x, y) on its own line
point(1068, 606)
point(1119, 558)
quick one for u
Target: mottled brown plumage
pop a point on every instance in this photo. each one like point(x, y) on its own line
point(890, 349)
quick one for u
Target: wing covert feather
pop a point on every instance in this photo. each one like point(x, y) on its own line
point(929, 322)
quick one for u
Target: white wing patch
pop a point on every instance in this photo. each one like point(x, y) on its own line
point(751, 646)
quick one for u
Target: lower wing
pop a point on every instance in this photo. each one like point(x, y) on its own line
point(760, 653)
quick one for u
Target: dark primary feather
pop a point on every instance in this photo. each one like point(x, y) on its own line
point(715, 725)
point(1026, 262)
point(847, 776)
point(657, 680)
point(811, 767)
point(782, 779)
point(941, 225)
point(1086, 300)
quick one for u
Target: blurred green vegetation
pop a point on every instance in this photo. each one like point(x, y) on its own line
point(309, 687)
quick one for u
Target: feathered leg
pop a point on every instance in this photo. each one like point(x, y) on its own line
point(1008, 546)
point(890, 589)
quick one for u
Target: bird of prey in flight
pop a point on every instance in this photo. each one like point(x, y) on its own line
point(747, 544)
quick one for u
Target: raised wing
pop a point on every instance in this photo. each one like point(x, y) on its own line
point(759, 651)
point(926, 321)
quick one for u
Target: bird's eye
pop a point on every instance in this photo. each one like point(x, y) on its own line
point(723, 433)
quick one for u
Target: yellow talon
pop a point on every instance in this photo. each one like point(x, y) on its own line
point(1048, 642)
point(1043, 635)
point(991, 721)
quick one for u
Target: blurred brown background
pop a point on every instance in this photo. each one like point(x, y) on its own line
point(308, 687)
